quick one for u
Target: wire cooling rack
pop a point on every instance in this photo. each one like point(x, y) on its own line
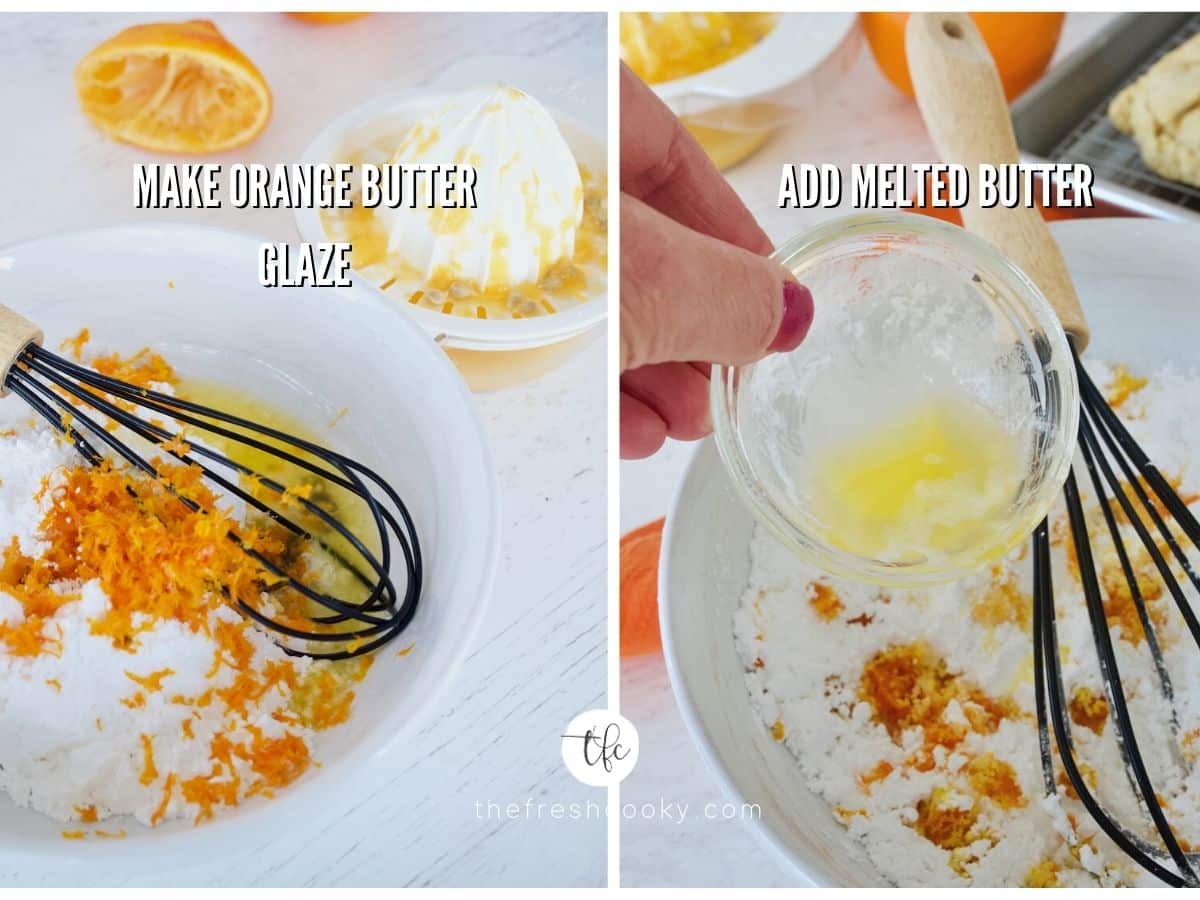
point(1114, 156)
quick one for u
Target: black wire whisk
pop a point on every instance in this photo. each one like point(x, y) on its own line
point(84, 406)
point(963, 104)
point(1120, 473)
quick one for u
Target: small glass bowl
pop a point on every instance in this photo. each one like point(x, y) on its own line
point(908, 309)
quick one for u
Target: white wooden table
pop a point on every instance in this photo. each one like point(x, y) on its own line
point(540, 657)
point(864, 120)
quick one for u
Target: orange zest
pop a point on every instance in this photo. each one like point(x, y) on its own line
point(74, 345)
point(149, 771)
point(825, 601)
point(1088, 709)
point(880, 771)
point(995, 779)
point(151, 683)
point(101, 518)
point(944, 820)
point(908, 685)
point(160, 811)
point(1124, 385)
point(159, 560)
point(143, 369)
point(1043, 875)
point(276, 761)
point(87, 814)
point(325, 698)
point(31, 583)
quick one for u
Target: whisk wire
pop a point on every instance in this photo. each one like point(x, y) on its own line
point(177, 408)
point(47, 383)
point(1116, 435)
point(1130, 448)
point(1042, 588)
point(157, 435)
point(1091, 459)
point(171, 406)
point(1102, 437)
point(1052, 706)
point(1109, 667)
point(22, 389)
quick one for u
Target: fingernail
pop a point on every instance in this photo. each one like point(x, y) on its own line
point(797, 317)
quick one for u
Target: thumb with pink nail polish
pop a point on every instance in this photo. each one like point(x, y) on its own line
point(696, 284)
point(689, 297)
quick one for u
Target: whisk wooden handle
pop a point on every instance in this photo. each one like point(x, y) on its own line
point(16, 333)
point(962, 102)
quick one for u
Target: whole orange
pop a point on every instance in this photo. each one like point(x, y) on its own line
point(639, 590)
point(327, 18)
point(1021, 44)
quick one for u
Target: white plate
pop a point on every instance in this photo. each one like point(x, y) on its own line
point(1138, 282)
point(578, 109)
point(192, 293)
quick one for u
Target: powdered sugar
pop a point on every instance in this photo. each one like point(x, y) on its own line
point(70, 741)
point(38, 454)
point(905, 793)
point(92, 731)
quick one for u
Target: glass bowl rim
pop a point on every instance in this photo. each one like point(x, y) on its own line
point(821, 238)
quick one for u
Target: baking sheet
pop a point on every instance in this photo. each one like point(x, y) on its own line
point(1064, 118)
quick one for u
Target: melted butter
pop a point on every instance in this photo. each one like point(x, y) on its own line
point(324, 573)
point(664, 46)
point(932, 481)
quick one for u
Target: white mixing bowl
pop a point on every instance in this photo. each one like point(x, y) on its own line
point(192, 293)
point(704, 571)
point(705, 563)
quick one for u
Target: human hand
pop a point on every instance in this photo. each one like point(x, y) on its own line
point(696, 287)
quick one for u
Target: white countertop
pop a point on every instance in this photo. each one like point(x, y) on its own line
point(863, 120)
point(540, 656)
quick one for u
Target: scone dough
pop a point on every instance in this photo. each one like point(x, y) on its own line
point(1161, 112)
